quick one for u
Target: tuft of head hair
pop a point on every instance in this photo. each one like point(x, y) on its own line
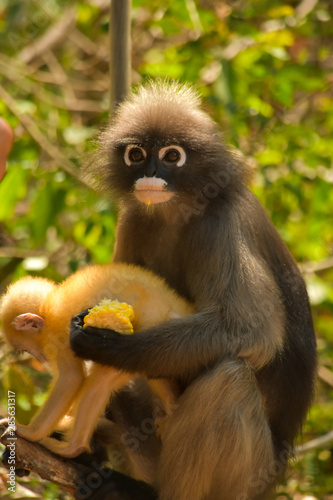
point(25, 295)
point(163, 109)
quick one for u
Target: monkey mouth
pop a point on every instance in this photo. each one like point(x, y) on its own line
point(152, 190)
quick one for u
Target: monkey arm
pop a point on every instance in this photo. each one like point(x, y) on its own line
point(240, 312)
point(61, 395)
point(177, 349)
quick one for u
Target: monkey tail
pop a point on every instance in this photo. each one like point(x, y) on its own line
point(217, 444)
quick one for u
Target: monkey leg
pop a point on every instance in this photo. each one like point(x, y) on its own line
point(167, 392)
point(61, 395)
point(91, 403)
point(217, 444)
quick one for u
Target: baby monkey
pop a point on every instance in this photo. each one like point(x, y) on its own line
point(36, 315)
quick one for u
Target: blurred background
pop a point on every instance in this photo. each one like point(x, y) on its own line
point(265, 71)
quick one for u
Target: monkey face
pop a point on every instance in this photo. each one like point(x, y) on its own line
point(160, 170)
point(162, 149)
point(153, 166)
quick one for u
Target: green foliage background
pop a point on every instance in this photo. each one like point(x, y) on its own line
point(265, 70)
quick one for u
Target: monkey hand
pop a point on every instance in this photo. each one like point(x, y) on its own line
point(30, 432)
point(96, 344)
point(4, 424)
point(8, 423)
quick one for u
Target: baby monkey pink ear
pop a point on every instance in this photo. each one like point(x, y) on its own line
point(28, 322)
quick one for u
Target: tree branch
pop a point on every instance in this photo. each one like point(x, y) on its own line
point(35, 458)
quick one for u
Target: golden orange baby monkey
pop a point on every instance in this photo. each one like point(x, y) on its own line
point(36, 315)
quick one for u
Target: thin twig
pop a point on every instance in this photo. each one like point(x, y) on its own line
point(326, 375)
point(315, 267)
point(314, 444)
point(22, 253)
point(100, 4)
point(47, 146)
point(67, 102)
point(75, 84)
point(304, 8)
point(53, 64)
point(195, 18)
point(54, 35)
point(88, 46)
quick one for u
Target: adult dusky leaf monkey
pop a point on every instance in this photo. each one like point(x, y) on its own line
point(246, 359)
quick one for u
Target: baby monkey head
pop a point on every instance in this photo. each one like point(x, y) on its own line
point(161, 148)
point(22, 314)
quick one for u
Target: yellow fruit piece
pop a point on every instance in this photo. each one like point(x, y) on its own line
point(111, 314)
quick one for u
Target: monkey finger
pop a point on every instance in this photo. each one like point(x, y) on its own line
point(4, 422)
point(77, 324)
point(83, 343)
point(101, 332)
point(80, 342)
point(95, 343)
point(78, 318)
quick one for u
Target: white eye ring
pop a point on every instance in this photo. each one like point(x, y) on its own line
point(129, 148)
point(164, 151)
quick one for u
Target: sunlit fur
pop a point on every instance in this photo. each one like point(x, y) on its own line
point(153, 301)
point(246, 359)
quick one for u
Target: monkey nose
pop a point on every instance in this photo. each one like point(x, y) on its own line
point(151, 169)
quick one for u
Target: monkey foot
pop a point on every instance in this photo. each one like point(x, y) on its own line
point(24, 431)
point(28, 432)
point(161, 426)
point(4, 423)
point(63, 448)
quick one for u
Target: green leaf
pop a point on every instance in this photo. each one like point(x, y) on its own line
point(47, 204)
point(12, 189)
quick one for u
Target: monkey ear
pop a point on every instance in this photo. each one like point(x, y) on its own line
point(28, 322)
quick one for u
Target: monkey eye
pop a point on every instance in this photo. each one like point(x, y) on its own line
point(174, 155)
point(134, 154)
